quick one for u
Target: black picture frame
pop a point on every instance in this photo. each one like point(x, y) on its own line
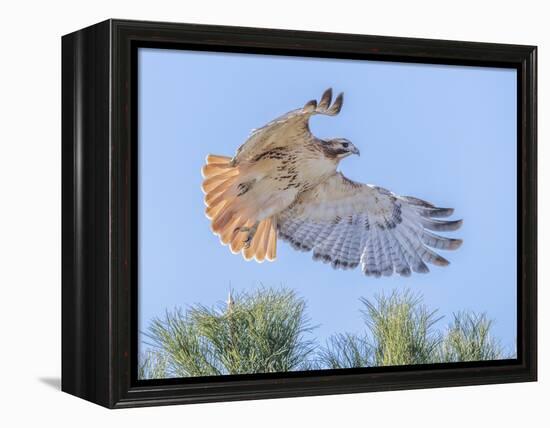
point(99, 213)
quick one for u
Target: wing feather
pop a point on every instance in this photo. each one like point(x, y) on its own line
point(355, 248)
point(398, 255)
point(346, 224)
point(368, 261)
point(386, 266)
point(289, 129)
point(339, 237)
point(376, 254)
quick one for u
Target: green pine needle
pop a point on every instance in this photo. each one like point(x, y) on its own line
point(468, 338)
point(401, 330)
point(268, 331)
point(262, 332)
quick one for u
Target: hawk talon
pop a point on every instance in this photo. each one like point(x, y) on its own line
point(247, 242)
point(251, 232)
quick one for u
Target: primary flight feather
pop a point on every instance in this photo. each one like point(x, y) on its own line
point(283, 182)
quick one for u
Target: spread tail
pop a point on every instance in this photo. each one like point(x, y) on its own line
point(228, 215)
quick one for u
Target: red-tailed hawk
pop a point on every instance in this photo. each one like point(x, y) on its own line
point(283, 182)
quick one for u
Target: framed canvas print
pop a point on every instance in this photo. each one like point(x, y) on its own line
point(253, 213)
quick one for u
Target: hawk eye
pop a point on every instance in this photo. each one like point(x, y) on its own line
point(345, 145)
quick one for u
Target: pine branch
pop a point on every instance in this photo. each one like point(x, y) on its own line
point(260, 332)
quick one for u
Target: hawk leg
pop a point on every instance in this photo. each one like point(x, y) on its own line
point(251, 231)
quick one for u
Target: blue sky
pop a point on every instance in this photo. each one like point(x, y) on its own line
point(446, 134)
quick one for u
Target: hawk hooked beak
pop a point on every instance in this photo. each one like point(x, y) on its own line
point(348, 146)
point(339, 148)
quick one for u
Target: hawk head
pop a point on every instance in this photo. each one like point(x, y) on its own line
point(339, 148)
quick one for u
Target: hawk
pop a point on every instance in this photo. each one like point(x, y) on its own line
point(283, 182)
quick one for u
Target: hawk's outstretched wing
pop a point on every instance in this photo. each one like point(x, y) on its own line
point(347, 223)
point(291, 128)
